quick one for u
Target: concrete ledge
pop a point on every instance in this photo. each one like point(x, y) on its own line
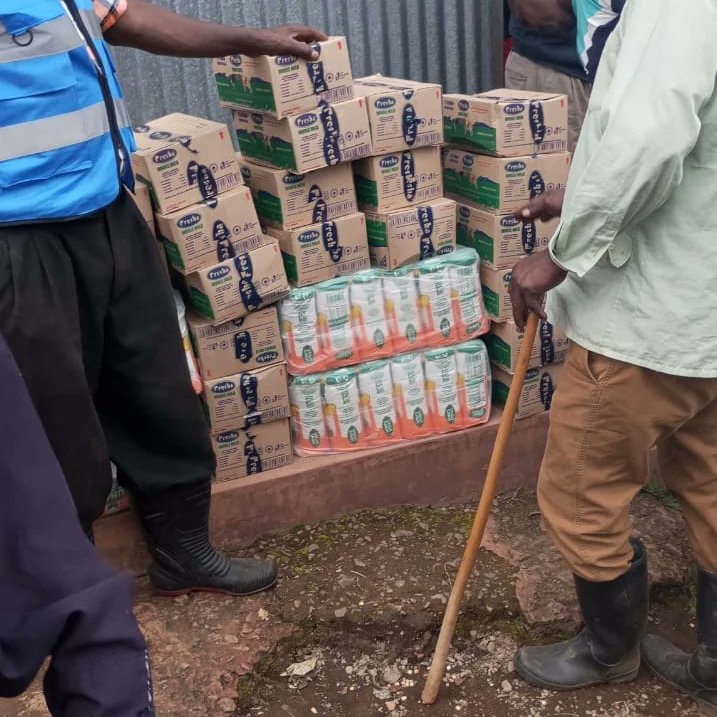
point(442, 470)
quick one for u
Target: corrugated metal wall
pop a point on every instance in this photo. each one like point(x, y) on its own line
point(454, 42)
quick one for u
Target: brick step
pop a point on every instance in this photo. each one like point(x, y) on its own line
point(441, 470)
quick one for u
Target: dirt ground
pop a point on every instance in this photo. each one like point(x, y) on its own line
point(350, 628)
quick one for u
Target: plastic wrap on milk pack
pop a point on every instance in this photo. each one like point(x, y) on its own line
point(378, 314)
point(382, 402)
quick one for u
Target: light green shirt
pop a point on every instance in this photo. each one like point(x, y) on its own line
point(639, 227)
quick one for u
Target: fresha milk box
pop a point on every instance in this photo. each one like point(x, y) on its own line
point(244, 452)
point(507, 123)
point(321, 137)
point(285, 200)
point(504, 340)
point(403, 114)
point(184, 160)
point(538, 390)
point(496, 293)
point(285, 84)
point(501, 185)
point(212, 231)
point(401, 179)
point(325, 250)
point(254, 341)
point(501, 240)
point(247, 399)
point(407, 235)
point(233, 288)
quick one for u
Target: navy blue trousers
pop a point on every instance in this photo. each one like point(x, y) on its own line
point(58, 599)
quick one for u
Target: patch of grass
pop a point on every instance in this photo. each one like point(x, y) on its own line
point(657, 490)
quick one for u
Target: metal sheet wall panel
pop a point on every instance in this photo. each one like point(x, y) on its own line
point(455, 42)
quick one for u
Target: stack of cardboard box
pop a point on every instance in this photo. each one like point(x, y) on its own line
point(298, 126)
point(504, 148)
point(232, 275)
point(400, 187)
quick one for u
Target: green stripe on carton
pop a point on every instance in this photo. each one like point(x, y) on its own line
point(258, 96)
point(173, 254)
point(279, 154)
point(366, 191)
point(500, 393)
point(484, 245)
point(480, 137)
point(491, 301)
point(377, 232)
point(499, 351)
point(292, 268)
point(483, 192)
point(268, 207)
point(200, 303)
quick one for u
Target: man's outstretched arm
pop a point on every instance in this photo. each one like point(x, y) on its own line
point(160, 31)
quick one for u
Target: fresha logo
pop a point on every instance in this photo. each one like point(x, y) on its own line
point(306, 120)
point(308, 237)
point(515, 108)
point(284, 60)
point(228, 437)
point(389, 162)
point(223, 387)
point(164, 155)
point(218, 272)
point(189, 220)
point(384, 103)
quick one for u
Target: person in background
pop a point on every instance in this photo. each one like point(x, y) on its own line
point(57, 598)
point(85, 304)
point(630, 276)
point(544, 57)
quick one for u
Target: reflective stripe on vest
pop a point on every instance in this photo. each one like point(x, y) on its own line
point(58, 158)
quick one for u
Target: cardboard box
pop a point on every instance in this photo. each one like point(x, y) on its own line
point(496, 297)
point(319, 138)
point(233, 288)
point(244, 452)
point(501, 240)
point(503, 342)
point(289, 201)
point(538, 389)
point(407, 235)
point(507, 123)
point(209, 232)
point(144, 204)
point(184, 160)
point(324, 251)
point(283, 85)
point(251, 342)
point(403, 114)
point(394, 181)
point(247, 399)
point(502, 185)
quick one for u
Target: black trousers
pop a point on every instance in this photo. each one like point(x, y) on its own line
point(86, 309)
point(57, 598)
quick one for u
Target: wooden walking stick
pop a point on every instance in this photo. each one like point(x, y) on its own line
point(495, 467)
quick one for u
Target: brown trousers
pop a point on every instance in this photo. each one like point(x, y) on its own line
point(606, 417)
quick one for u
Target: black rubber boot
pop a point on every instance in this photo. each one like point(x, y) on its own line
point(176, 525)
point(608, 648)
point(695, 674)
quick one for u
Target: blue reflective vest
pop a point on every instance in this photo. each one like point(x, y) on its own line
point(65, 137)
